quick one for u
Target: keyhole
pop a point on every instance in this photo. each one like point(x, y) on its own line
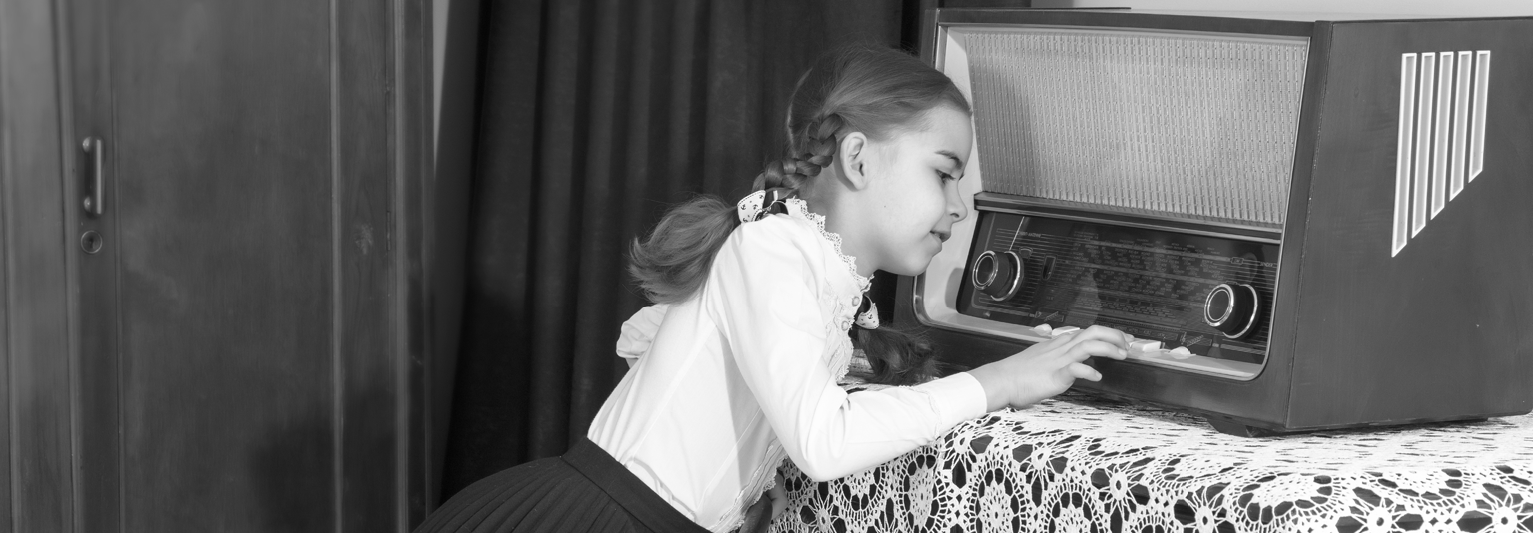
point(91, 242)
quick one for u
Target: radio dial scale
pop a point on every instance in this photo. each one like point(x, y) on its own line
point(1201, 296)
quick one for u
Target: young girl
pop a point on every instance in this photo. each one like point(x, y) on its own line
point(736, 367)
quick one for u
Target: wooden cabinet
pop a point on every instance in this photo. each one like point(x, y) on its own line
point(247, 349)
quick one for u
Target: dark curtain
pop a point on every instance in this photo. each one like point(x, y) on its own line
point(594, 116)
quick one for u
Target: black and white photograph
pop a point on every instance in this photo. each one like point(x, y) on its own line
point(766, 266)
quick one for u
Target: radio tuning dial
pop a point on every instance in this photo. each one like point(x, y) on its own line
point(997, 275)
point(1231, 308)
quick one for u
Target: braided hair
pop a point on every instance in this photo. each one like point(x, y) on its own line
point(874, 90)
point(795, 169)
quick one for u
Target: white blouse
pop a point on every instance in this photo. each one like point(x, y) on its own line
point(729, 382)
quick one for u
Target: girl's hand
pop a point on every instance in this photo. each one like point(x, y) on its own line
point(760, 515)
point(779, 495)
point(1048, 368)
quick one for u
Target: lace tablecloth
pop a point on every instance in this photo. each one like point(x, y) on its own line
point(1082, 464)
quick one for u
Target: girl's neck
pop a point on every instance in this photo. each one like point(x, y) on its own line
point(840, 219)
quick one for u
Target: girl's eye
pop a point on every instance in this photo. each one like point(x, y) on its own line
point(944, 176)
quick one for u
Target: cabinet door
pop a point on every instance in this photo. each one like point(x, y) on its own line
point(244, 356)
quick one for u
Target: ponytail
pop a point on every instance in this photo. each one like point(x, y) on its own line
point(673, 263)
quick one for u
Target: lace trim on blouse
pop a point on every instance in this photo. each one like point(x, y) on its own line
point(802, 209)
point(764, 477)
point(762, 480)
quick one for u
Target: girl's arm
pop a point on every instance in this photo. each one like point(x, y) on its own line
point(762, 292)
point(764, 296)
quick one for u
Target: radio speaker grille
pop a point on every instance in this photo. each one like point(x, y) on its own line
point(1177, 123)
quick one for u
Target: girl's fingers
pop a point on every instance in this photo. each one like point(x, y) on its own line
point(1095, 348)
point(1081, 371)
point(1094, 333)
point(1069, 341)
point(1057, 341)
point(1105, 334)
point(779, 496)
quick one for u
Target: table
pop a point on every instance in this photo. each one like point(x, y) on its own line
point(1083, 464)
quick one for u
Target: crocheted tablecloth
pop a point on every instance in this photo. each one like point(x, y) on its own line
point(1083, 464)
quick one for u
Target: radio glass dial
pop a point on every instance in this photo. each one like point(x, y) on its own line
point(997, 275)
point(1231, 309)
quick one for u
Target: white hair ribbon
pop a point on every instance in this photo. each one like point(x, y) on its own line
point(759, 204)
point(749, 207)
point(868, 319)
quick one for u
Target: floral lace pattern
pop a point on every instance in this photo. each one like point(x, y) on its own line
point(1087, 464)
point(798, 207)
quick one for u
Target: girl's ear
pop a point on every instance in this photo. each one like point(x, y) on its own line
point(854, 155)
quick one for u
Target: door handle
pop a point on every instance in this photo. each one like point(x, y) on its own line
point(95, 170)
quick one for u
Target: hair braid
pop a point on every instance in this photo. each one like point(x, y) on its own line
point(818, 150)
point(821, 142)
point(825, 128)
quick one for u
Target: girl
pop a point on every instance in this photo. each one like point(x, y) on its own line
point(736, 367)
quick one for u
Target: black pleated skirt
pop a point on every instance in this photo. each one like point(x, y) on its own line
point(583, 490)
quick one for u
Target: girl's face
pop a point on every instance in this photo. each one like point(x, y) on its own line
point(913, 194)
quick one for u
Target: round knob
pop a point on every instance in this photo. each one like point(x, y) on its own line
point(997, 275)
point(1231, 309)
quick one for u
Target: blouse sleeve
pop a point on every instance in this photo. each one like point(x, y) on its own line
point(763, 295)
point(638, 332)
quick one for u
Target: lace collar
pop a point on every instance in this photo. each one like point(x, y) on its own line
point(798, 208)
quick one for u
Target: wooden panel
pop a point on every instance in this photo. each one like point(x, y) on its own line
point(224, 188)
point(365, 349)
point(1442, 329)
point(243, 330)
point(96, 365)
point(418, 258)
point(37, 494)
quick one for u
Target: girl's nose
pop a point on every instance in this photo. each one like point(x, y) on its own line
point(955, 204)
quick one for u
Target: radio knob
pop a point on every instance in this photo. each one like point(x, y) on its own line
point(1231, 308)
point(997, 275)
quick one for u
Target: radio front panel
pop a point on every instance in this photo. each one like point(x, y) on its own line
point(1207, 299)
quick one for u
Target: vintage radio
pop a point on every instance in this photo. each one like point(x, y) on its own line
point(1310, 222)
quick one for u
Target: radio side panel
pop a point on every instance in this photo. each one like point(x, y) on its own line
point(1433, 321)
